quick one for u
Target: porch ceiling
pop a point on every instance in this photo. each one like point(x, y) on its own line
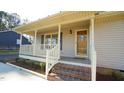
point(64, 26)
point(76, 24)
point(31, 33)
point(60, 18)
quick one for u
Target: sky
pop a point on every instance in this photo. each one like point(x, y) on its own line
point(28, 9)
point(36, 9)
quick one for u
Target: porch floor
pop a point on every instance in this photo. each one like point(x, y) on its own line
point(75, 61)
point(65, 60)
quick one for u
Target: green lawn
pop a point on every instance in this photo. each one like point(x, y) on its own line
point(9, 51)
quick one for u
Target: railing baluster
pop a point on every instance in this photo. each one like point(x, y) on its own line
point(51, 58)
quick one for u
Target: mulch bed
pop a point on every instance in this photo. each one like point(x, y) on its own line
point(29, 65)
point(101, 77)
point(37, 68)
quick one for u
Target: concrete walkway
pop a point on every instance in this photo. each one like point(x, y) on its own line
point(8, 72)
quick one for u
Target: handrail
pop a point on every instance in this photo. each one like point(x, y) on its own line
point(26, 49)
point(40, 49)
point(51, 52)
point(51, 58)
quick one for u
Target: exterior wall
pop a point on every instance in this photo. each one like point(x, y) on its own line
point(68, 46)
point(109, 42)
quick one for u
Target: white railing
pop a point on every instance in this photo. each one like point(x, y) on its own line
point(51, 52)
point(51, 58)
point(26, 49)
point(40, 49)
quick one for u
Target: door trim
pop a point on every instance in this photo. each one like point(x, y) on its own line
point(76, 43)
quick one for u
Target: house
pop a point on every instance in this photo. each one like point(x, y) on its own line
point(84, 38)
point(11, 40)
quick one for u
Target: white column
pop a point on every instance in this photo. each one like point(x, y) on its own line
point(59, 32)
point(35, 40)
point(20, 42)
point(93, 52)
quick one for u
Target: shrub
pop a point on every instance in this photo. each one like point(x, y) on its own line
point(43, 66)
point(118, 75)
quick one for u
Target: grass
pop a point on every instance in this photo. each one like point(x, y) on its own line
point(8, 52)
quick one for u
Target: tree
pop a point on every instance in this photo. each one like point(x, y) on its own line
point(9, 21)
point(14, 20)
point(3, 17)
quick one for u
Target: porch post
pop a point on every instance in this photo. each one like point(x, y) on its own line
point(34, 45)
point(20, 42)
point(93, 52)
point(59, 31)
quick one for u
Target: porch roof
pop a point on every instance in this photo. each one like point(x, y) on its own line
point(60, 18)
point(54, 20)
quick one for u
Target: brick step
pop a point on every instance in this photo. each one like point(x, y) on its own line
point(81, 76)
point(72, 67)
point(53, 77)
point(83, 70)
point(69, 72)
point(63, 71)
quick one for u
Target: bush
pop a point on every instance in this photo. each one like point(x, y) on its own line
point(43, 66)
point(118, 75)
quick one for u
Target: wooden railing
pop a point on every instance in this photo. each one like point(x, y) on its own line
point(51, 52)
point(26, 49)
point(51, 58)
point(40, 49)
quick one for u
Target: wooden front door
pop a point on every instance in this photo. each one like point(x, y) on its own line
point(81, 43)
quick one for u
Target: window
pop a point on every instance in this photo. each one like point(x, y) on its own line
point(54, 39)
point(42, 39)
point(48, 39)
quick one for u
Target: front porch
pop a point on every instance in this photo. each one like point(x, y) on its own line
point(65, 60)
point(72, 39)
point(62, 44)
point(75, 61)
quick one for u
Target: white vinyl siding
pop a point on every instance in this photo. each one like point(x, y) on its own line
point(109, 42)
point(68, 46)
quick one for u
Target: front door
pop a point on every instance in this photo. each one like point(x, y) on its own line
point(81, 43)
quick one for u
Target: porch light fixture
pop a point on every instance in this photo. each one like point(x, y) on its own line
point(70, 31)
